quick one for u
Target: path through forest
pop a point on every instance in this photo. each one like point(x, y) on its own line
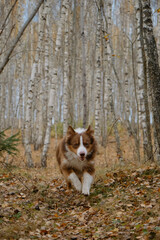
point(124, 204)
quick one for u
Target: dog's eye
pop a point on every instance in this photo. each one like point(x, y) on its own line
point(75, 145)
point(86, 145)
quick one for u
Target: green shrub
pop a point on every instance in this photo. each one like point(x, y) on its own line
point(9, 144)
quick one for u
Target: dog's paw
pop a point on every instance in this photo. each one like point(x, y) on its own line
point(78, 186)
point(85, 191)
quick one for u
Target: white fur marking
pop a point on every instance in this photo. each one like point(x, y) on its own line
point(87, 181)
point(79, 130)
point(91, 162)
point(75, 181)
point(73, 160)
point(81, 148)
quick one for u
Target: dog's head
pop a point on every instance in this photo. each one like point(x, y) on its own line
point(81, 142)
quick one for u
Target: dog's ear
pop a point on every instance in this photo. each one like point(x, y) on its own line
point(90, 130)
point(70, 131)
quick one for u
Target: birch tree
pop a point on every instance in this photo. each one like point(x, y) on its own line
point(98, 77)
point(29, 106)
point(38, 141)
point(142, 82)
point(153, 69)
point(19, 35)
point(51, 99)
point(108, 55)
point(82, 60)
point(66, 78)
point(84, 83)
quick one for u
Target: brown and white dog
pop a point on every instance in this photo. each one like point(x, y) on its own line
point(75, 155)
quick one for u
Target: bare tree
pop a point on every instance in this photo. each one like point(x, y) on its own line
point(51, 103)
point(19, 35)
point(143, 93)
point(84, 83)
point(66, 78)
point(98, 77)
point(153, 69)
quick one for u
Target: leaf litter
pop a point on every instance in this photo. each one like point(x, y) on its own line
point(124, 204)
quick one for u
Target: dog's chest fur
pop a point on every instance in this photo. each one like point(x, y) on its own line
point(72, 160)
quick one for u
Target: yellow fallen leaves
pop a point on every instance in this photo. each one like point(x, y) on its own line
point(106, 37)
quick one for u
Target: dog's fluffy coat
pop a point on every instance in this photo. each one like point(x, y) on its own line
point(75, 155)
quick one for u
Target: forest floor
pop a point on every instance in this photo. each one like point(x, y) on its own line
point(124, 202)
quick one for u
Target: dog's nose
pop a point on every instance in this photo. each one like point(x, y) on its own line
point(82, 154)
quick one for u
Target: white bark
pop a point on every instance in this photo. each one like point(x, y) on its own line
point(84, 82)
point(144, 118)
point(40, 78)
point(54, 81)
point(153, 72)
point(109, 84)
point(98, 80)
point(66, 80)
point(28, 116)
point(20, 33)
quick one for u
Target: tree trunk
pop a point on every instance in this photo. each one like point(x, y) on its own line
point(110, 88)
point(54, 81)
point(98, 79)
point(19, 35)
point(153, 69)
point(38, 141)
point(143, 93)
point(66, 80)
point(83, 67)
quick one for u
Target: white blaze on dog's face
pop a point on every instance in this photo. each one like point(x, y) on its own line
point(82, 151)
point(80, 141)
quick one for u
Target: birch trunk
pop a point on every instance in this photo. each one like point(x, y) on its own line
point(66, 80)
point(109, 85)
point(54, 81)
point(46, 71)
point(29, 108)
point(98, 78)
point(136, 126)
point(20, 33)
point(153, 69)
point(40, 78)
point(74, 63)
point(10, 95)
point(28, 116)
point(142, 82)
point(20, 68)
point(84, 83)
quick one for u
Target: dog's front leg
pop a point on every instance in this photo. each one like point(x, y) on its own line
point(71, 178)
point(75, 181)
point(86, 184)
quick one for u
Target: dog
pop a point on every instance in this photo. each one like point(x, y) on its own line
point(76, 158)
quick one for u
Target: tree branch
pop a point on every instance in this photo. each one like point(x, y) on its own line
point(5, 20)
point(20, 33)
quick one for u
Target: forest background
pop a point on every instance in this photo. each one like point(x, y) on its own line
point(77, 63)
point(80, 63)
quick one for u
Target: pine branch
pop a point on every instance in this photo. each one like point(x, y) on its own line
point(9, 144)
